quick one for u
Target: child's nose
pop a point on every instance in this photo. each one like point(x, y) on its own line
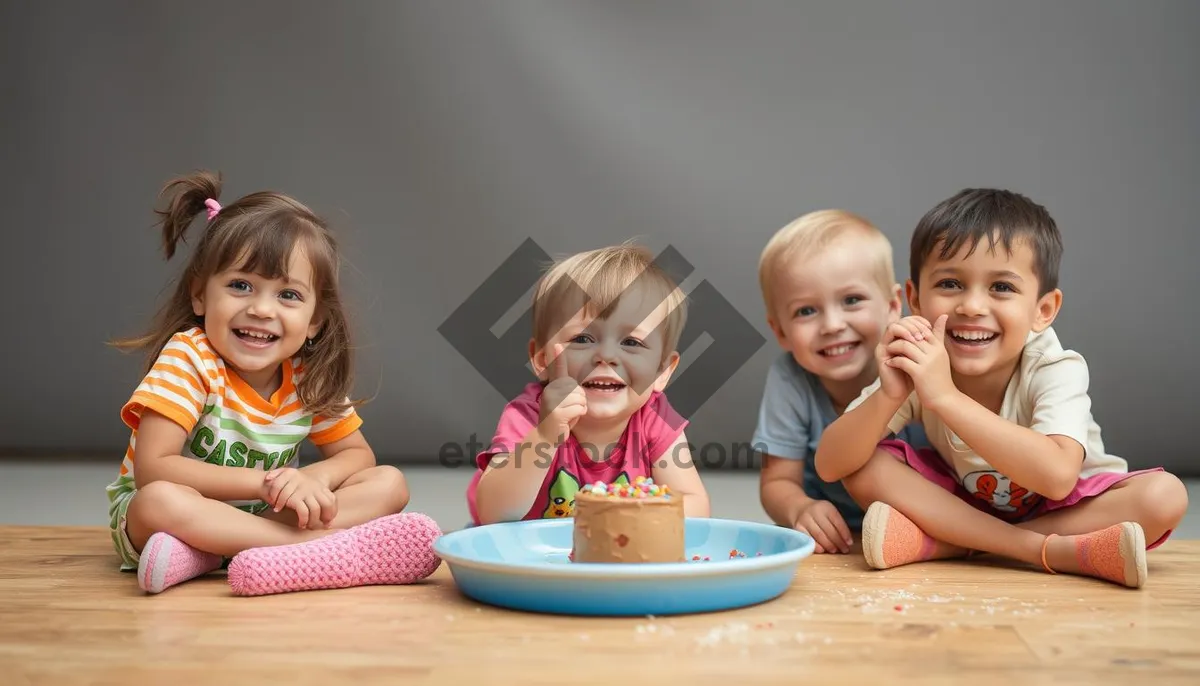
point(832, 323)
point(263, 307)
point(973, 304)
point(606, 352)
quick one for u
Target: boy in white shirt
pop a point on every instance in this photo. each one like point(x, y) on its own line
point(1017, 466)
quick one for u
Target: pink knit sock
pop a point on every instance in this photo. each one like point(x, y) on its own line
point(166, 561)
point(396, 549)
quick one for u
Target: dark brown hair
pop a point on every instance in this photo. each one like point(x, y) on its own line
point(974, 214)
point(258, 233)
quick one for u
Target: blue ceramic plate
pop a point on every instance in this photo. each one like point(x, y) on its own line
point(524, 566)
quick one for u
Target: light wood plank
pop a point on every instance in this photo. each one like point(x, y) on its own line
point(68, 617)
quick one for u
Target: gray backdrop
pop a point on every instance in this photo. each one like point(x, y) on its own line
point(443, 134)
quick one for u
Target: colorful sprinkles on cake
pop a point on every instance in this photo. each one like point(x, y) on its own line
point(642, 487)
point(733, 554)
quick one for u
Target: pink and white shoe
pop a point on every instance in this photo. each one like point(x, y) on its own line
point(166, 561)
point(396, 549)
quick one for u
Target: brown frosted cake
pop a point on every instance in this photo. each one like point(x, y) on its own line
point(628, 523)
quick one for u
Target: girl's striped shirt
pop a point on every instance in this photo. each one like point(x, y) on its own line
point(228, 423)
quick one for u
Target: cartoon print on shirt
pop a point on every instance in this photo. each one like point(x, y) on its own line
point(561, 496)
point(1000, 492)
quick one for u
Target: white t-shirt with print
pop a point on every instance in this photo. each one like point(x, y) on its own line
point(1048, 393)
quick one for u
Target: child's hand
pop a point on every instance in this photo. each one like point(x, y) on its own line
point(821, 520)
point(925, 362)
point(563, 400)
point(894, 383)
point(315, 505)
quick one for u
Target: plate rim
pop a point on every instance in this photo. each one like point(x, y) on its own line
point(652, 570)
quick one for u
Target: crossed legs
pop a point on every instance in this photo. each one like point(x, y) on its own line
point(181, 535)
point(220, 529)
point(911, 519)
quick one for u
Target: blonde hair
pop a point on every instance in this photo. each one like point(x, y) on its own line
point(815, 231)
point(597, 279)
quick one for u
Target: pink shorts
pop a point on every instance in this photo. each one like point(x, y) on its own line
point(993, 493)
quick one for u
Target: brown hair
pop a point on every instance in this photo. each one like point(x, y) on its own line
point(596, 279)
point(973, 214)
point(258, 232)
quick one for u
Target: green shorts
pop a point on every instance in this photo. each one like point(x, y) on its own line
point(120, 494)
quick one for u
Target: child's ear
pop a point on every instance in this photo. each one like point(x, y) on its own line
point(914, 302)
point(314, 325)
point(537, 358)
point(664, 378)
point(780, 337)
point(198, 299)
point(895, 305)
point(1048, 308)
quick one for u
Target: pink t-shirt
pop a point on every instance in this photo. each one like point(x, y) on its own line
point(647, 437)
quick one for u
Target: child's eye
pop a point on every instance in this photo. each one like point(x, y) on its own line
point(1004, 287)
point(947, 283)
point(291, 295)
point(854, 299)
point(806, 311)
point(239, 285)
point(633, 341)
point(581, 338)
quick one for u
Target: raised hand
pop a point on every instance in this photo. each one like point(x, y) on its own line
point(925, 362)
point(563, 400)
point(895, 383)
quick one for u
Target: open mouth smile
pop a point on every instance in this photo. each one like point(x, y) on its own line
point(604, 385)
point(973, 338)
point(839, 350)
point(255, 337)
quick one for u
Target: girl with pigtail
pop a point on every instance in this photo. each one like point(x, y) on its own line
point(250, 357)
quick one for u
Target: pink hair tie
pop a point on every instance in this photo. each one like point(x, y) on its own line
point(213, 208)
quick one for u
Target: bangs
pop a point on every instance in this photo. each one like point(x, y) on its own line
point(952, 239)
point(266, 246)
point(599, 294)
point(603, 293)
point(1004, 218)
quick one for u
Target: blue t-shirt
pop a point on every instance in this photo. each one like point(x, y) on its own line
point(794, 412)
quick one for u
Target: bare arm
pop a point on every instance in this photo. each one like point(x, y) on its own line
point(676, 470)
point(508, 486)
point(850, 440)
point(511, 481)
point(1048, 465)
point(157, 458)
point(341, 460)
point(781, 489)
point(848, 443)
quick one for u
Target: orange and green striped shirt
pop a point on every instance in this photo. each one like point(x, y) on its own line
point(228, 423)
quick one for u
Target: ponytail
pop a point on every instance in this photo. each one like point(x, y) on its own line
point(187, 196)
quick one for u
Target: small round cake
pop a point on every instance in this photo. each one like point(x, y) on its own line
point(628, 523)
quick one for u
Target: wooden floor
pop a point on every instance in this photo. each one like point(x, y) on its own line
point(68, 617)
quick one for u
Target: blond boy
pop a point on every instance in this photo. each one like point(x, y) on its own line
point(606, 324)
point(830, 292)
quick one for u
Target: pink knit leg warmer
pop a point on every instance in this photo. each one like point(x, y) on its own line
point(166, 561)
point(396, 549)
